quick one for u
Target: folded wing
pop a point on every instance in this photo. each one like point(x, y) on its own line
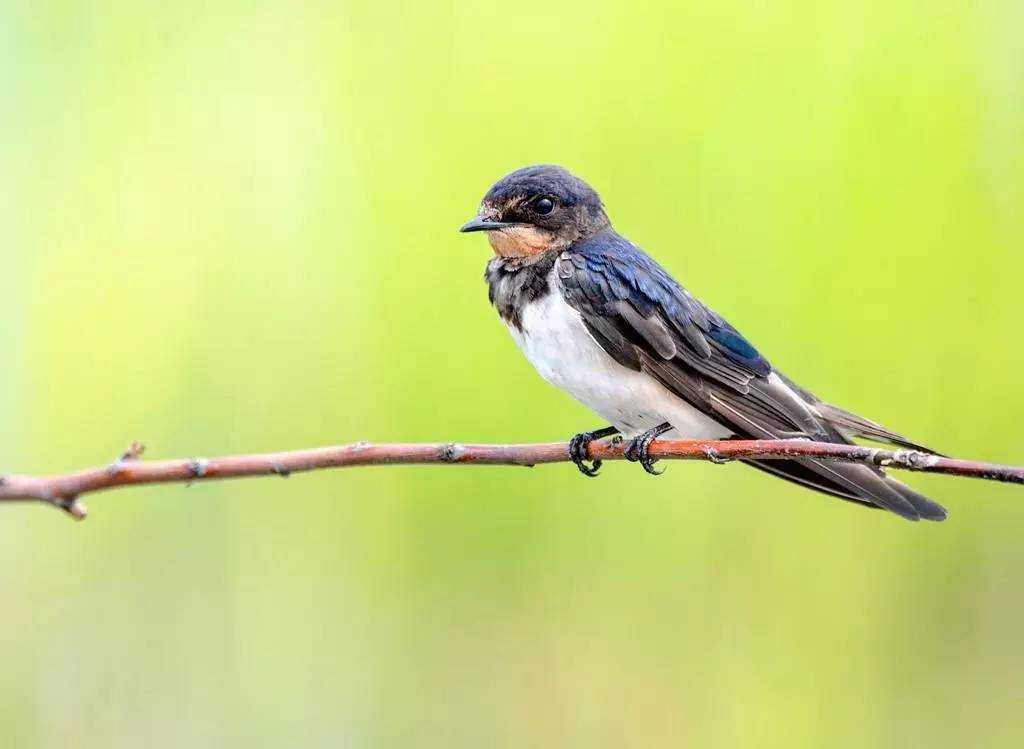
point(646, 321)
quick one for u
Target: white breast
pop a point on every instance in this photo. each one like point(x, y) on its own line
point(557, 343)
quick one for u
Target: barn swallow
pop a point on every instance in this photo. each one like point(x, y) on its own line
point(600, 319)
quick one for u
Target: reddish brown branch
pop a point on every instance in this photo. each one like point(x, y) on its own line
point(65, 490)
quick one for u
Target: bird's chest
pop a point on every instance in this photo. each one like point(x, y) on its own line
point(554, 339)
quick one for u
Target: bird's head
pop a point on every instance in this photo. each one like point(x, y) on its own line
point(538, 209)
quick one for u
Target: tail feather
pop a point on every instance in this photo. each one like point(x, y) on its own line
point(858, 426)
point(856, 483)
point(777, 407)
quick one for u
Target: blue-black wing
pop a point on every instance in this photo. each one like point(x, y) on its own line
point(647, 322)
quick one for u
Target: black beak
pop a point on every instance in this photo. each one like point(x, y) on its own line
point(479, 223)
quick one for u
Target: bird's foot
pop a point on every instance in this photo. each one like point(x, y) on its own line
point(639, 448)
point(578, 450)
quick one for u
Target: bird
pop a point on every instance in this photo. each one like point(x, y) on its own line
point(599, 318)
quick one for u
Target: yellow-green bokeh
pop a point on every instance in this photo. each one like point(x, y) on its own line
point(230, 227)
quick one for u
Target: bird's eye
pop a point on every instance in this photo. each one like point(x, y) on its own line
point(544, 206)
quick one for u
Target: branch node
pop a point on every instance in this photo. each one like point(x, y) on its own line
point(72, 506)
point(715, 457)
point(198, 467)
point(912, 459)
point(134, 451)
point(452, 452)
point(280, 470)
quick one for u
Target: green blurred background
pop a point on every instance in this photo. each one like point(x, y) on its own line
point(231, 227)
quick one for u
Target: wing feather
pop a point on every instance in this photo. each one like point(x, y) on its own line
point(647, 322)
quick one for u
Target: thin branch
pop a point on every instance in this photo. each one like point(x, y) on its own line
point(64, 491)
